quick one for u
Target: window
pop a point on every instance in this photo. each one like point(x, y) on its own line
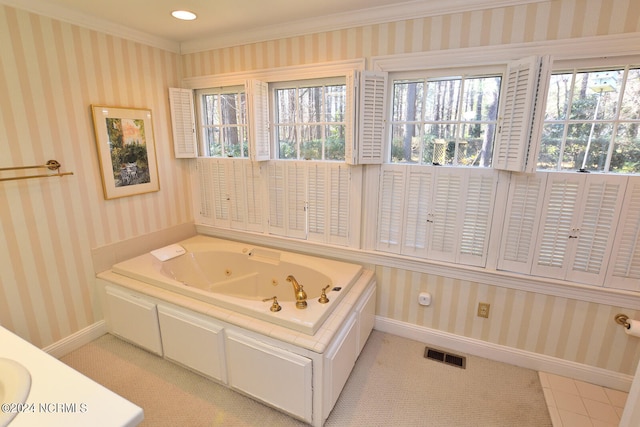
point(310, 120)
point(223, 122)
point(592, 121)
point(445, 120)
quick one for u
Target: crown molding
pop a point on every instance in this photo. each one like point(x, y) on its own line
point(41, 7)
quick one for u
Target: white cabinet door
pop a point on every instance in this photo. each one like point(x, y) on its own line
point(274, 375)
point(133, 318)
point(193, 342)
point(366, 310)
point(340, 358)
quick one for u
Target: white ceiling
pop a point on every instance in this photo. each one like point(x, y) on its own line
point(230, 22)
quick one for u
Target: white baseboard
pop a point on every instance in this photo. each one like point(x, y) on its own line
point(500, 353)
point(76, 340)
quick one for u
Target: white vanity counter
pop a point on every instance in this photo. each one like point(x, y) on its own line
point(61, 396)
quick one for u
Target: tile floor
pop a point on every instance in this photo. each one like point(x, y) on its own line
point(574, 403)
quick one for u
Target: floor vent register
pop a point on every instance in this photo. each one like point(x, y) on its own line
point(444, 357)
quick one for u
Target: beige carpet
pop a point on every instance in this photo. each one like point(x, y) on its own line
point(392, 384)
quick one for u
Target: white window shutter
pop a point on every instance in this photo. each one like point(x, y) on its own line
point(479, 192)
point(624, 267)
point(183, 123)
point(277, 200)
point(371, 126)
point(597, 220)
point(524, 207)
point(254, 193)
point(558, 224)
point(521, 114)
point(296, 212)
point(205, 180)
point(318, 203)
point(391, 208)
point(221, 197)
point(258, 113)
point(339, 209)
point(237, 194)
point(443, 245)
point(288, 199)
point(418, 216)
point(350, 149)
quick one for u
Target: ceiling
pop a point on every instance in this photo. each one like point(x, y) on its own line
point(232, 22)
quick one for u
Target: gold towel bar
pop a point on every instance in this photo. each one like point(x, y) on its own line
point(53, 165)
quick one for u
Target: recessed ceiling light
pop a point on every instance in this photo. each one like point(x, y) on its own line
point(185, 15)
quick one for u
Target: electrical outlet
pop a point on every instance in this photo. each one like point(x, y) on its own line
point(483, 309)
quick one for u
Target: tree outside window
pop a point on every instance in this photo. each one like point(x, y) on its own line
point(592, 121)
point(445, 121)
point(310, 122)
point(224, 124)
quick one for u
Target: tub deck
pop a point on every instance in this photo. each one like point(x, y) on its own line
point(227, 282)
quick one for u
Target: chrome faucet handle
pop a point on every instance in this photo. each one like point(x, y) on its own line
point(323, 297)
point(275, 306)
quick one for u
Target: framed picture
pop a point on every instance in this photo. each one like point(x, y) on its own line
point(126, 151)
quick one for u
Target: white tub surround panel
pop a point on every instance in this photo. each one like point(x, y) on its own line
point(247, 354)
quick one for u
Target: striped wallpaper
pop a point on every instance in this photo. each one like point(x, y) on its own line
point(577, 331)
point(50, 73)
point(553, 20)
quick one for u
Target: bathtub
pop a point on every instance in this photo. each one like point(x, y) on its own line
point(240, 277)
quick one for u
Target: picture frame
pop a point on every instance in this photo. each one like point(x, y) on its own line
point(126, 151)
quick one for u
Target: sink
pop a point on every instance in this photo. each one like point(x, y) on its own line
point(15, 382)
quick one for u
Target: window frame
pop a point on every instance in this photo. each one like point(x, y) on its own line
point(582, 65)
point(297, 123)
point(430, 74)
point(202, 127)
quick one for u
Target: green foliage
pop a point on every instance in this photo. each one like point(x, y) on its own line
point(123, 155)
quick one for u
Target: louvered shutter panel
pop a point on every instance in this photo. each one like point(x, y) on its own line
point(418, 217)
point(339, 204)
point(183, 123)
point(521, 114)
point(598, 218)
point(391, 208)
point(237, 194)
point(350, 149)
point(277, 200)
point(258, 114)
point(558, 224)
point(524, 207)
point(296, 194)
point(205, 180)
point(446, 219)
point(624, 267)
point(317, 192)
point(371, 127)
point(254, 196)
point(287, 199)
point(220, 192)
point(478, 191)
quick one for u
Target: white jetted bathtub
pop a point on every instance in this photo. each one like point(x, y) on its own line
point(245, 278)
